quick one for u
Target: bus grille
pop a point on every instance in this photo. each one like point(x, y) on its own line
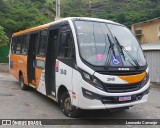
point(115, 99)
point(119, 73)
point(119, 88)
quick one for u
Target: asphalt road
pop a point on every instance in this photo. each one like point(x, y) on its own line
point(18, 104)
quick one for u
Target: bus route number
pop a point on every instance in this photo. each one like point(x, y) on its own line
point(63, 71)
point(110, 79)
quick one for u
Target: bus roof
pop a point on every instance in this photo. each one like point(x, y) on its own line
point(60, 20)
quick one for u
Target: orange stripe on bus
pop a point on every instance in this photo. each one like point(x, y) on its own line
point(41, 27)
point(30, 30)
point(133, 78)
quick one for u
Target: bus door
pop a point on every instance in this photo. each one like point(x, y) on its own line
point(32, 58)
point(40, 61)
point(65, 57)
point(51, 61)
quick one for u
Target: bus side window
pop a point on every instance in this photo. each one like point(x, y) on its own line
point(24, 45)
point(62, 44)
point(18, 45)
point(13, 45)
point(66, 47)
point(69, 47)
point(42, 43)
point(27, 42)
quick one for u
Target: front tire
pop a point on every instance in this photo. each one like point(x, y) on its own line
point(22, 84)
point(67, 108)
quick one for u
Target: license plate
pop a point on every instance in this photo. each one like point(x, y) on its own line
point(124, 98)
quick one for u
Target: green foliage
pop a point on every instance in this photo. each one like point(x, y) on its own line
point(3, 37)
point(74, 8)
point(18, 15)
point(126, 12)
point(4, 52)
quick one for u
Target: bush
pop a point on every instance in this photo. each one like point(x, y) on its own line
point(3, 38)
point(4, 53)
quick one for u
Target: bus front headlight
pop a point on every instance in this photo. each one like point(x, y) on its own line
point(98, 84)
point(93, 81)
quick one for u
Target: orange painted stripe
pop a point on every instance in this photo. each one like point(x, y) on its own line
point(32, 29)
point(133, 78)
point(45, 26)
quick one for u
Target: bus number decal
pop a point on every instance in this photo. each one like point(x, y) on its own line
point(110, 79)
point(62, 71)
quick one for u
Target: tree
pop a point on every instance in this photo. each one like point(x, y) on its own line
point(18, 15)
point(120, 17)
point(3, 38)
point(22, 15)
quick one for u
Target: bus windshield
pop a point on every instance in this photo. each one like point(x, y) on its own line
point(101, 43)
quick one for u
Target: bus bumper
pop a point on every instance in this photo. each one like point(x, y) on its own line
point(91, 98)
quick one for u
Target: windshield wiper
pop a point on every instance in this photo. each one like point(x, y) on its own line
point(123, 48)
point(111, 47)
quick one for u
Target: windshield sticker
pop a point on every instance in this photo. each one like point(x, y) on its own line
point(100, 57)
point(116, 60)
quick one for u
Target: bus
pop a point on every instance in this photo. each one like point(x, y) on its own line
point(81, 63)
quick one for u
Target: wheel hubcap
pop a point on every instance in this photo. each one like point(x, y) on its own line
point(68, 106)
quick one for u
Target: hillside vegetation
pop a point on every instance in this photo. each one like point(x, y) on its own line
point(21, 14)
point(124, 11)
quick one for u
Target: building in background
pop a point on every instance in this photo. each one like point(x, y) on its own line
point(152, 54)
point(147, 31)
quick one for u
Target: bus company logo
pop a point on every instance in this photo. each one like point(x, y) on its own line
point(123, 69)
point(57, 66)
point(6, 122)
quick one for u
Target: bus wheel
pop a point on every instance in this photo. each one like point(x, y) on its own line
point(67, 108)
point(22, 84)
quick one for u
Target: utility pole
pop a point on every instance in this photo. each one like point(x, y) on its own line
point(90, 6)
point(57, 9)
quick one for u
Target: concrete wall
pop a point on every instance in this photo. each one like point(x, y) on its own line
point(4, 67)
